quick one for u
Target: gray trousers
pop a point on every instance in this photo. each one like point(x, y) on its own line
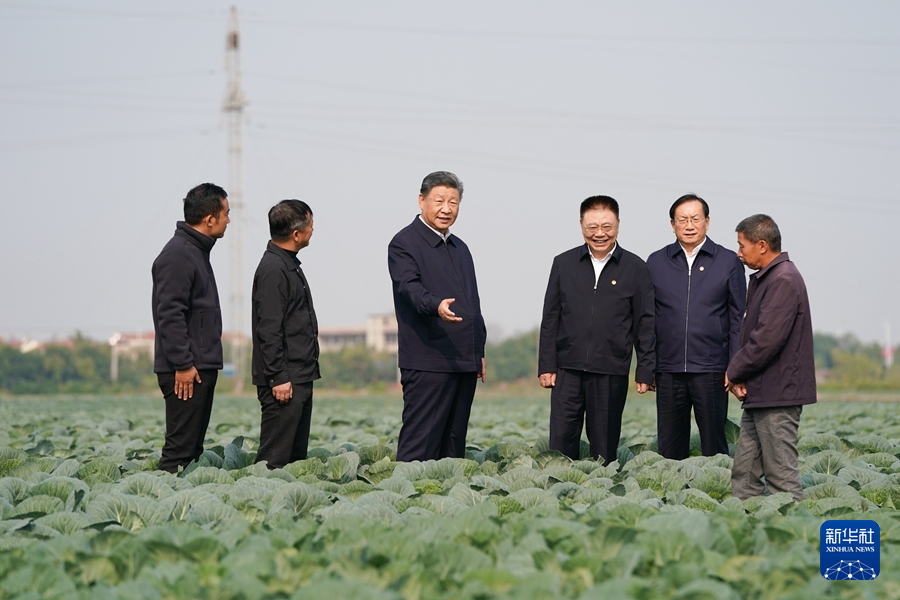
point(767, 448)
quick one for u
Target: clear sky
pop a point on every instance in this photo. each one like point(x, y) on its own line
point(111, 112)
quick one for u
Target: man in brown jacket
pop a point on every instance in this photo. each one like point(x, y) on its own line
point(773, 371)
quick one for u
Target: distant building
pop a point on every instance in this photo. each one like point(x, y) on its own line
point(332, 339)
point(131, 344)
point(379, 334)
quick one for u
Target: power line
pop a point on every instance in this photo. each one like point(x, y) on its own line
point(290, 21)
point(113, 79)
point(85, 140)
point(569, 169)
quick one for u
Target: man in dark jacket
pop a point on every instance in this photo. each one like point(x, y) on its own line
point(187, 319)
point(773, 371)
point(598, 306)
point(440, 329)
point(285, 338)
point(700, 291)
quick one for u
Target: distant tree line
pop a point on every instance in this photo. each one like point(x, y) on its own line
point(846, 363)
point(80, 365)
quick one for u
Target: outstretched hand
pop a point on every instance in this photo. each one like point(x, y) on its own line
point(445, 313)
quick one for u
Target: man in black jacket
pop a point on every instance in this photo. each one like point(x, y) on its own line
point(187, 319)
point(285, 338)
point(440, 329)
point(700, 290)
point(598, 306)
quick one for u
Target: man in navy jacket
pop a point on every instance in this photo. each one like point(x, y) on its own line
point(187, 319)
point(439, 324)
point(598, 307)
point(700, 291)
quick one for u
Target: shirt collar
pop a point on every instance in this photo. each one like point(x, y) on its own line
point(696, 248)
point(443, 236)
point(614, 253)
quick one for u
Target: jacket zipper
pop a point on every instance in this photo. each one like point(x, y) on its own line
point(687, 310)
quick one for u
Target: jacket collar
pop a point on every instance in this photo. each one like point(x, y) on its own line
point(428, 235)
point(204, 242)
point(616, 253)
point(290, 258)
point(708, 247)
point(781, 258)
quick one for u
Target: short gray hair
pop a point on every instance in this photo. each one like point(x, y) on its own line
point(441, 178)
point(288, 216)
point(761, 227)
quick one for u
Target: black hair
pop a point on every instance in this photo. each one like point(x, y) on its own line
point(202, 201)
point(600, 202)
point(689, 198)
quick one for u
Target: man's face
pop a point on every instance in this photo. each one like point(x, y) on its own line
point(750, 253)
point(690, 224)
point(220, 221)
point(600, 228)
point(440, 207)
point(302, 237)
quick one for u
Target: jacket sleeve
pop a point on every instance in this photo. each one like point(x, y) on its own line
point(644, 320)
point(737, 298)
point(550, 324)
point(270, 295)
point(477, 297)
point(778, 311)
point(406, 277)
point(174, 279)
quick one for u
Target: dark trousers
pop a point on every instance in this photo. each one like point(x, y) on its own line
point(284, 428)
point(186, 420)
point(676, 395)
point(436, 410)
point(592, 400)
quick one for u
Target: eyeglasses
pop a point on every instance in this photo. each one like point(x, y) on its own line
point(594, 228)
point(695, 220)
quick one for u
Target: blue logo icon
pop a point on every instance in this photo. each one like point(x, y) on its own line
point(850, 550)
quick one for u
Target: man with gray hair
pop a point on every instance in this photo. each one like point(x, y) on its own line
point(285, 338)
point(440, 329)
point(773, 371)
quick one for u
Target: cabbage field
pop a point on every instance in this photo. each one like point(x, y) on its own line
point(84, 513)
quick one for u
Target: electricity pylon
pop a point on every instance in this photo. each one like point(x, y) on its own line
point(233, 106)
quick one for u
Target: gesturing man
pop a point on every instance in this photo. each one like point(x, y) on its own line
point(285, 338)
point(187, 320)
point(439, 324)
point(700, 289)
point(598, 306)
point(773, 370)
